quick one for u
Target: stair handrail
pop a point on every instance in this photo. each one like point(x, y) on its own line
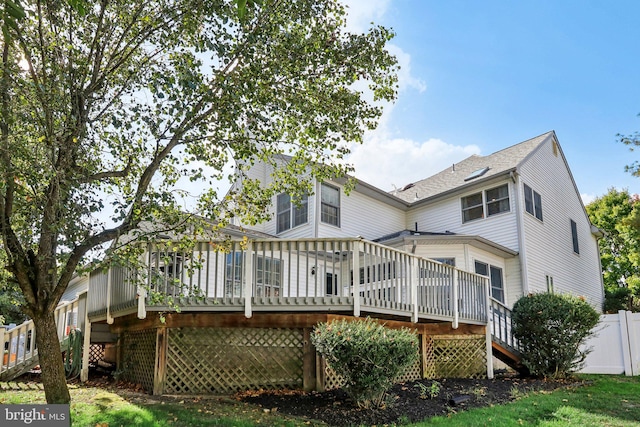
point(21, 339)
point(502, 325)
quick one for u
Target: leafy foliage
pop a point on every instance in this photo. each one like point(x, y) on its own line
point(633, 142)
point(116, 114)
point(617, 213)
point(551, 330)
point(367, 355)
point(11, 299)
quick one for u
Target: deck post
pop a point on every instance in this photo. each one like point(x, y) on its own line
point(357, 247)
point(85, 326)
point(160, 371)
point(309, 380)
point(86, 351)
point(248, 285)
point(487, 293)
point(415, 278)
point(428, 368)
point(454, 303)
point(320, 374)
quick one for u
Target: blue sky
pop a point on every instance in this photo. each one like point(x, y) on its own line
point(479, 76)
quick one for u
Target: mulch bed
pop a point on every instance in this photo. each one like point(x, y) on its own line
point(406, 402)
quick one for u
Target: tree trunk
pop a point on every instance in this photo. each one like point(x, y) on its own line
point(53, 376)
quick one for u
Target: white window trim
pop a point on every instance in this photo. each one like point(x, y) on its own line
point(291, 213)
point(485, 204)
point(502, 276)
point(535, 207)
point(338, 207)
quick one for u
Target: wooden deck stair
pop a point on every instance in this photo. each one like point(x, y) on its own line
point(505, 347)
point(21, 353)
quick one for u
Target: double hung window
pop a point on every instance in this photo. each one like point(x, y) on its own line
point(495, 276)
point(492, 201)
point(290, 214)
point(532, 202)
point(330, 205)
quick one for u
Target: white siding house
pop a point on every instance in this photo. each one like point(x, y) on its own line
point(515, 215)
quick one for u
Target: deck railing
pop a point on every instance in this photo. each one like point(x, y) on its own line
point(347, 275)
point(19, 343)
point(502, 326)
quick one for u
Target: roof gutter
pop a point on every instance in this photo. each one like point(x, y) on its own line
point(464, 187)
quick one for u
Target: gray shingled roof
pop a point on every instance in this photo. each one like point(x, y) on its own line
point(454, 176)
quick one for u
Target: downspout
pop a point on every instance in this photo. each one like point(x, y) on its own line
point(109, 317)
point(519, 225)
point(318, 201)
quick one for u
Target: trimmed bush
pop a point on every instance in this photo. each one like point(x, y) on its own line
point(551, 330)
point(368, 356)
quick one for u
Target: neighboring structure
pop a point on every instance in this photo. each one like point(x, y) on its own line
point(515, 215)
point(446, 256)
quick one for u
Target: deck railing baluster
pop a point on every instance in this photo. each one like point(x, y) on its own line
point(301, 274)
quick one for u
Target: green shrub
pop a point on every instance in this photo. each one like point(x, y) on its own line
point(551, 330)
point(368, 356)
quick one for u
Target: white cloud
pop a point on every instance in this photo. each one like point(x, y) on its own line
point(362, 12)
point(587, 198)
point(386, 162)
point(360, 15)
point(380, 160)
point(405, 79)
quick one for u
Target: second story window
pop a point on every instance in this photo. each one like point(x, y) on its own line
point(493, 201)
point(497, 200)
point(472, 207)
point(532, 202)
point(330, 205)
point(289, 214)
point(574, 237)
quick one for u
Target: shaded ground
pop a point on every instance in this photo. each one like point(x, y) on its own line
point(408, 402)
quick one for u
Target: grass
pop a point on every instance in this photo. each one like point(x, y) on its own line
point(612, 401)
point(98, 407)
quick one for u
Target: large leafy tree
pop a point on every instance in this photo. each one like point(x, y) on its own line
point(105, 105)
point(617, 214)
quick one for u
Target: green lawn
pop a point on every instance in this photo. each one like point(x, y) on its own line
point(608, 401)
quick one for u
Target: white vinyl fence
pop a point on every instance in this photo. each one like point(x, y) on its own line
point(615, 345)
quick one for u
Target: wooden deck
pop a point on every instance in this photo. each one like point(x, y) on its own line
point(348, 276)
